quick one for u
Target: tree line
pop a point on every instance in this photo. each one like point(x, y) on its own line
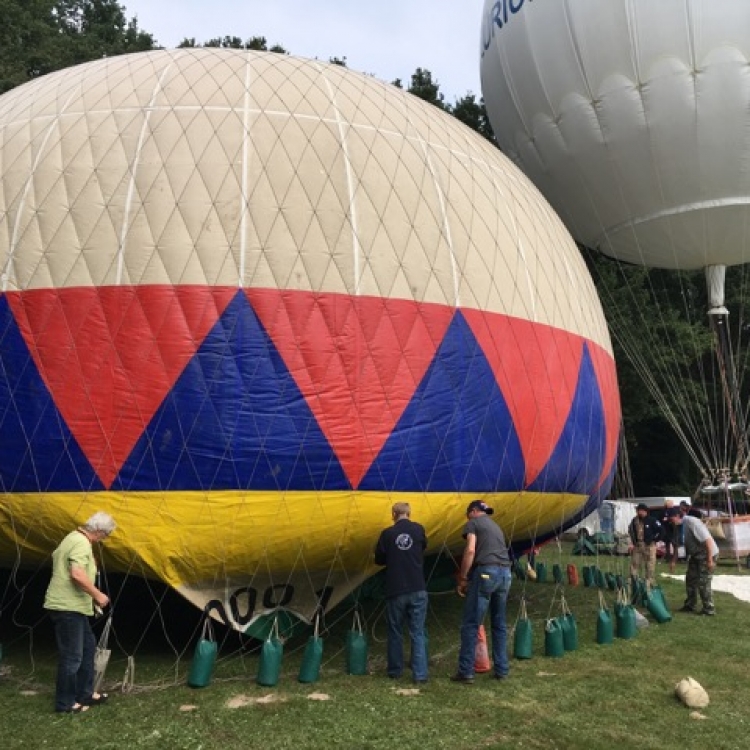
point(41, 36)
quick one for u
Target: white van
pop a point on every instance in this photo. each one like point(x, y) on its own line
point(611, 517)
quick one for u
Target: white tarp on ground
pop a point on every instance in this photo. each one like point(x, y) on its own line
point(739, 586)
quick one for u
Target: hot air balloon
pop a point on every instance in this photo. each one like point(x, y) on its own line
point(249, 301)
point(631, 117)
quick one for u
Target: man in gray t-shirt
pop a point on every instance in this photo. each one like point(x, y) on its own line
point(484, 580)
point(702, 552)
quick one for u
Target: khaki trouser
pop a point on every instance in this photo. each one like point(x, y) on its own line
point(643, 555)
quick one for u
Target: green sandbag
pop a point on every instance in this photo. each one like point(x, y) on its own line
point(309, 670)
point(638, 592)
point(520, 570)
point(541, 572)
point(569, 631)
point(656, 605)
point(601, 581)
point(611, 581)
point(269, 667)
point(557, 574)
point(356, 648)
point(588, 576)
point(659, 592)
point(204, 658)
point(553, 639)
point(522, 639)
point(626, 627)
point(604, 625)
point(604, 629)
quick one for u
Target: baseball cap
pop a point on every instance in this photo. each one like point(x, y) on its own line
point(479, 505)
point(641, 506)
point(673, 513)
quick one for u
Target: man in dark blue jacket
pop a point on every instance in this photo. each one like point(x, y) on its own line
point(645, 532)
point(401, 549)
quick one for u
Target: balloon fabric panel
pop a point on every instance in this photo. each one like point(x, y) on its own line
point(234, 415)
point(569, 466)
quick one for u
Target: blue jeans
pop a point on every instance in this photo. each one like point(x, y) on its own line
point(76, 645)
point(488, 589)
point(411, 608)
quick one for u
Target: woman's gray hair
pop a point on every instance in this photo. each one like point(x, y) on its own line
point(100, 523)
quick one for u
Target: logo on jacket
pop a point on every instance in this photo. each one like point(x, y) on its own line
point(404, 542)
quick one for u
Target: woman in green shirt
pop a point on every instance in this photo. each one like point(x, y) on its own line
point(70, 600)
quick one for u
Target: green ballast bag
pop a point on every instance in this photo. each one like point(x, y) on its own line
point(269, 667)
point(204, 657)
point(356, 648)
point(557, 574)
point(522, 638)
point(588, 576)
point(604, 627)
point(569, 627)
point(657, 606)
point(625, 620)
point(553, 639)
point(309, 670)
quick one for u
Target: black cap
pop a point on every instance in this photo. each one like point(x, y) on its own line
point(673, 513)
point(479, 505)
point(641, 506)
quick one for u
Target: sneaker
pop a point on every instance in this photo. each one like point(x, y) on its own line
point(686, 609)
point(466, 680)
point(707, 612)
point(420, 682)
point(500, 676)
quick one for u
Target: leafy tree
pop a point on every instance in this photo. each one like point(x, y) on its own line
point(259, 43)
point(474, 114)
point(226, 42)
point(39, 36)
point(425, 88)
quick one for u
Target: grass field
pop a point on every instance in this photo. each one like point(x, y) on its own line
point(620, 695)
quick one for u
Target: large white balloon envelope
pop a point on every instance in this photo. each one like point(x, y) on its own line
point(631, 116)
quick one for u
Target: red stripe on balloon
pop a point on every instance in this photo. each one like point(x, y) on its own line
point(536, 367)
point(109, 356)
point(606, 375)
point(357, 361)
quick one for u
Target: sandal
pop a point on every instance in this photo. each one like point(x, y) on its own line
point(77, 708)
point(97, 699)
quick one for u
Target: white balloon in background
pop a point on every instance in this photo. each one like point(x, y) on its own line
point(632, 117)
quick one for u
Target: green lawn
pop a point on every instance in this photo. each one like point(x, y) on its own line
point(596, 697)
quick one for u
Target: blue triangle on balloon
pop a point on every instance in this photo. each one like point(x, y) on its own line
point(456, 434)
point(235, 419)
point(39, 453)
point(577, 461)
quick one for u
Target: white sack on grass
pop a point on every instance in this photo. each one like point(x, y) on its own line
point(691, 693)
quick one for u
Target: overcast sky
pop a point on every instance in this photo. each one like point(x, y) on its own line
point(387, 38)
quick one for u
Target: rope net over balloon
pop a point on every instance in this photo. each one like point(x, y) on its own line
point(248, 302)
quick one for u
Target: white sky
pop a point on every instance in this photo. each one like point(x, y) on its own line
point(386, 38)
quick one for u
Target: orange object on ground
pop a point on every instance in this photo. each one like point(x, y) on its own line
point(572, 574)
point(481, 654)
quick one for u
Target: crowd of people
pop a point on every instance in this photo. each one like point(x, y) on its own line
point(484, 581)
